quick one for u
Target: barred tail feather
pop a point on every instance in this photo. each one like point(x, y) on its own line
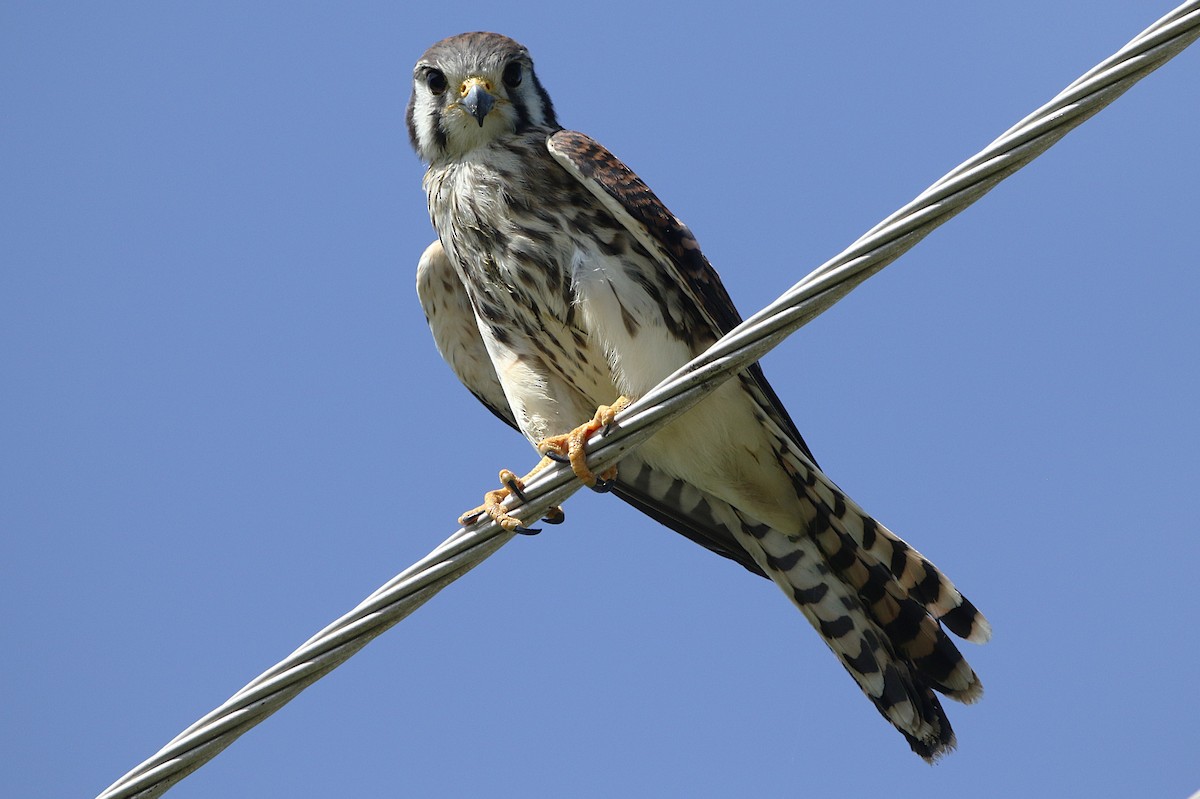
point(861, 642)
point(878, 604)
point(910, 571)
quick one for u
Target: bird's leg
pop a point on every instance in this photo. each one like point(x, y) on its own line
point(565, 448)
point(569, 447)
point(493, 503)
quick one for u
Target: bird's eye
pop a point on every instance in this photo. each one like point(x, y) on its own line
point(436, 81)
point(512, 75)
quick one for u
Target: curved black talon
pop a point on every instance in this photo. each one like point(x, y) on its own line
point(467, 521)
point(515, 488)
point(554, 516)
point(603, 486)
point(527, 530)
point(554, 456)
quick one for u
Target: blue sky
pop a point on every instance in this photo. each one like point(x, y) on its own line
point(223, 422)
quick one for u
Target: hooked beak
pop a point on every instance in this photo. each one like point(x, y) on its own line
point(477, 98)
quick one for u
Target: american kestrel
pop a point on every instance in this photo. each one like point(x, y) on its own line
point(559, 282)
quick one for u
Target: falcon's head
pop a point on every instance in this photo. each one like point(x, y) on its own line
point(471, 89)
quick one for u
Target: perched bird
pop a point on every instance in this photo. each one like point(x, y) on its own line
point(560, 282)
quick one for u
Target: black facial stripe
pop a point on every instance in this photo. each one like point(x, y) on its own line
point(411, 123)
point(547, 107)
point(439, 135)
point(518, 104)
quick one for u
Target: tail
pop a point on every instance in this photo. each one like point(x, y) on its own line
point(878, 604)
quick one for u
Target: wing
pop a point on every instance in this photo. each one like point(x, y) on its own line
point(673, 503)
point(455, 331)
point(639, 210)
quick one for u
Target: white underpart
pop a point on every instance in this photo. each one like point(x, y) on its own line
point(733, 458)
point(541, 404)
point(638, 362)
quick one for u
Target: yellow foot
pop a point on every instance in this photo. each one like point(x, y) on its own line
point(493, 503)
point(570, 446)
